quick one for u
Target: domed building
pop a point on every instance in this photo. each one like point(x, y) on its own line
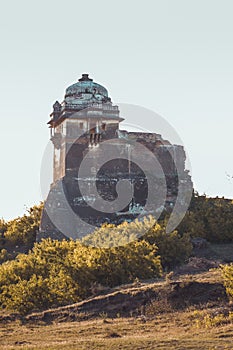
point(85, 109)
point(86, 92)
point(81, 126)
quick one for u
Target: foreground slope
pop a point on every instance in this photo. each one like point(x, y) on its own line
point(164, 314)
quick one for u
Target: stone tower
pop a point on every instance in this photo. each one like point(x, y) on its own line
point(86, 111)
point(81, 126)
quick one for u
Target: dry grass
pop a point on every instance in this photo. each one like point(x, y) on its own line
point(162, 328)
point(175, 330)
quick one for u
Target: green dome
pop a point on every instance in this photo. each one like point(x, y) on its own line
point(86, 88)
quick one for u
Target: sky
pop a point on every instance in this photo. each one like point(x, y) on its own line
point(172, 57)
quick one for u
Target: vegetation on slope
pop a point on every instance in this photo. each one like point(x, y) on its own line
point(209, 218)
point(54, 273)
point(57, 273)
point(227, 271)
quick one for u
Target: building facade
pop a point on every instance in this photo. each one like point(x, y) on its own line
point(85, 128)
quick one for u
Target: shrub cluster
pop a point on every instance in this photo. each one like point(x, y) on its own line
point(209, 218)
point(61, 272)
point(227, 272)
point(22, 230)
point(57, 273)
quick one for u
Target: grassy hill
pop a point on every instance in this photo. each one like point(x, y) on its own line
point(157, 292)
point(166, 314)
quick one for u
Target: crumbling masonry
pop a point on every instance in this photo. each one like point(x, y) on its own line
point(83, 122)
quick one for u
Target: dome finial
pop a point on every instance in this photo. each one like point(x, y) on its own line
point(85, 77)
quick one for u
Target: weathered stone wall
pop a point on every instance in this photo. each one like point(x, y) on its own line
point(106, 180)
point(82, 122)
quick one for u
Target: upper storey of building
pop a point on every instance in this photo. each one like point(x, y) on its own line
point(85, 99)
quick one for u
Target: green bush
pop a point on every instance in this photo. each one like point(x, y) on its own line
point(4, 255)
point(173, 248)
point(227, 272)
point(209, 218)
point(57, 273)
point(109, 235)
point(22, 230)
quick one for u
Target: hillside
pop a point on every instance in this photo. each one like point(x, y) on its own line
point(136, 300)
point(150, 315)
point(157, 292)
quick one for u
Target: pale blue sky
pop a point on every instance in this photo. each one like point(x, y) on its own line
point(174, 57)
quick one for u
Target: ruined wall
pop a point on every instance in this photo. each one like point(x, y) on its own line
point(107, 178)
point(81, 123)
